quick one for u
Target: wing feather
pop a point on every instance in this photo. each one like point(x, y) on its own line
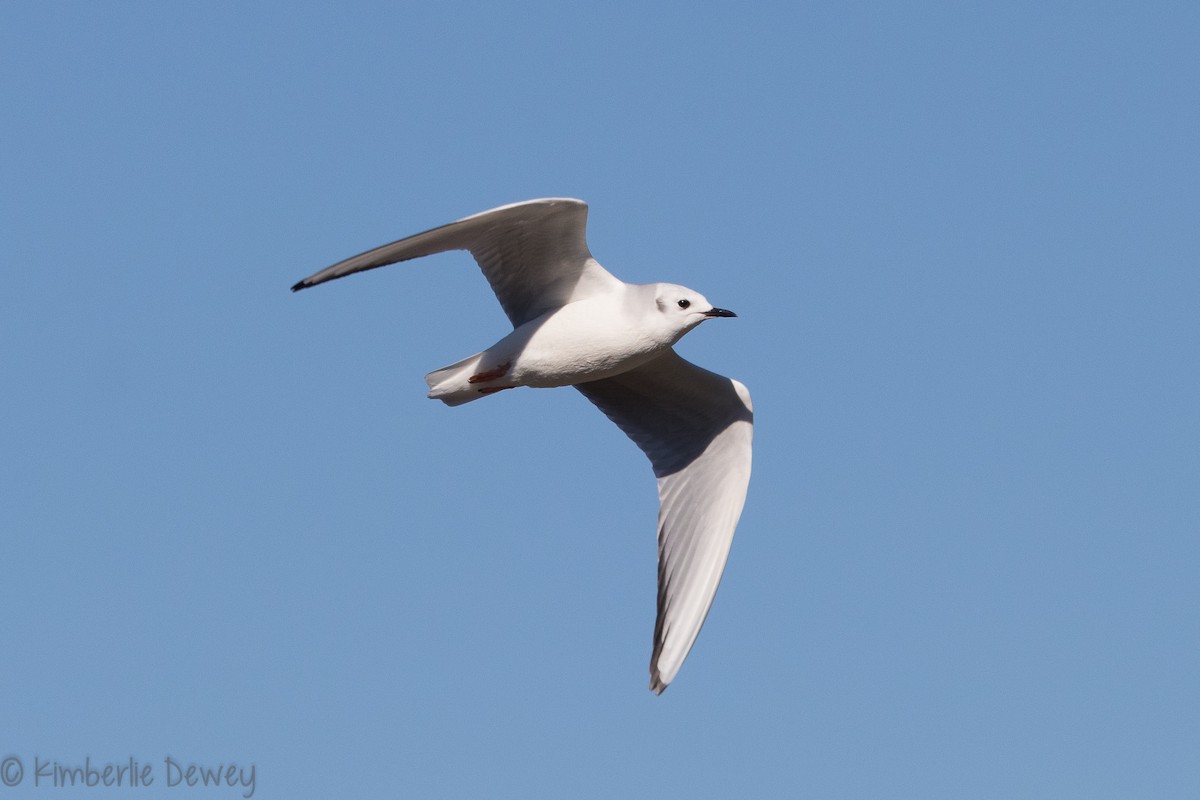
point(696, 428)
point(534, 254)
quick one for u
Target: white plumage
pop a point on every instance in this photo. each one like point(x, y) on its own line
point(575, 324)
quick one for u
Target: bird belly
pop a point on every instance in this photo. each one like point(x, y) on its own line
point(572, 345)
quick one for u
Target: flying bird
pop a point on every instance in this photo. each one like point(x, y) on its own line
point(575, 324)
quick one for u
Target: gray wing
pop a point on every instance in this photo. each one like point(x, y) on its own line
point(534, 254)
point(695, 427)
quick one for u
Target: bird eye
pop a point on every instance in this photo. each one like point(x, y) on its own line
point(684, 303)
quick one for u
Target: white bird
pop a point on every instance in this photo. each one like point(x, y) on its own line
point(575, 324)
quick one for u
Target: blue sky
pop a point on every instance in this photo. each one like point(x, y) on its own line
point(962, 242)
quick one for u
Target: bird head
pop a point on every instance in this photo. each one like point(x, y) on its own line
point(684, 308)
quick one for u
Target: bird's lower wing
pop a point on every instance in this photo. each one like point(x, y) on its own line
point(534, 254)
point(695, 427)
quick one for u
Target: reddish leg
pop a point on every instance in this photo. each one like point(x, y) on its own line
point(491, 374)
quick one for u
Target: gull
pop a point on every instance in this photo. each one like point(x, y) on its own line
point(575, 324)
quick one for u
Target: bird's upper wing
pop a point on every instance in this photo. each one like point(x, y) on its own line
point(534, 254)
point(695, 426)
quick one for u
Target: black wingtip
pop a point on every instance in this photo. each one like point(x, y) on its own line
point(299, 286)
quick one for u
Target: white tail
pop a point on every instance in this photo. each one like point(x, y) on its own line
point(450, 384)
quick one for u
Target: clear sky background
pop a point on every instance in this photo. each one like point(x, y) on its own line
point(962, 242)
